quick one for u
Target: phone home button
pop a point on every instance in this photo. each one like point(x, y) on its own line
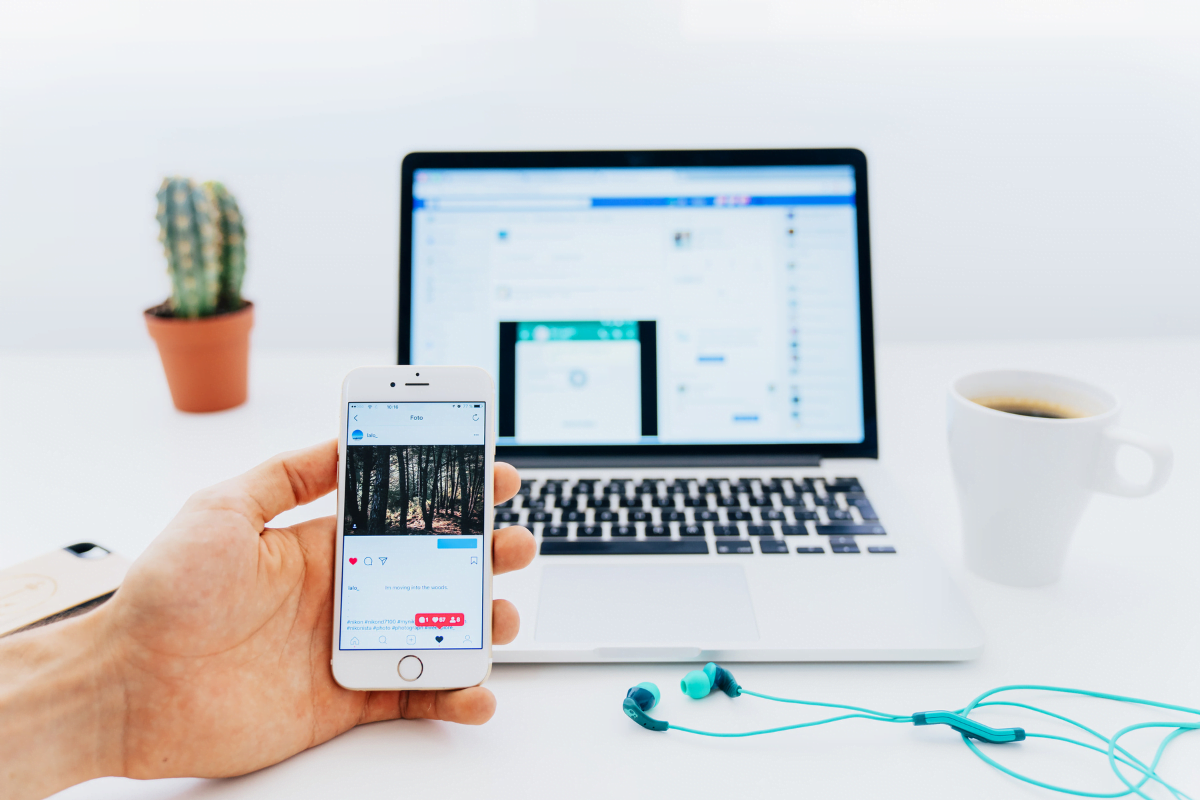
point(410, 668)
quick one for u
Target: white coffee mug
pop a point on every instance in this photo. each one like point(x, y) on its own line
point(1024, 481)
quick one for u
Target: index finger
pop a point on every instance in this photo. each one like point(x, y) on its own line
point(288, 480)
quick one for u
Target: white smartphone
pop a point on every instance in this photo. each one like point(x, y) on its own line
point(413, 577)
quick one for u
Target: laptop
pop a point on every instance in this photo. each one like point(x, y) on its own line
point(682, 348)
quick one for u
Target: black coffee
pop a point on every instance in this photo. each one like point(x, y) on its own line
point(1028, 408)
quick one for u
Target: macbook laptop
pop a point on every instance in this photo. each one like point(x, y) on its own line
point(682, 346)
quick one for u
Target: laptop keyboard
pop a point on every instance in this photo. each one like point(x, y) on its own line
point(783, 516)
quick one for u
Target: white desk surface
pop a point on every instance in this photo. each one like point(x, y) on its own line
point(1124, 618)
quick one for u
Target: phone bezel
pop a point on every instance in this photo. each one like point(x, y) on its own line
point(443, 669)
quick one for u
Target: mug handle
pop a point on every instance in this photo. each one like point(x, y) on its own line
point(1109, 480)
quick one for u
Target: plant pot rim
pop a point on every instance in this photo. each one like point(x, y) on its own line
point(157, 319)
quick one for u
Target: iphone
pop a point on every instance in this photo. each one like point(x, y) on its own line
point(413, 571)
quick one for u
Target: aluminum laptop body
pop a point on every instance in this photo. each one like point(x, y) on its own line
point(682, 345)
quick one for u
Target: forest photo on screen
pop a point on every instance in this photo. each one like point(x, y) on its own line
point(414, 489)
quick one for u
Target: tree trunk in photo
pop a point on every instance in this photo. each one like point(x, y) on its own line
point(431, 505)
point(364, 488)
point(462, 488)
point(423, 498)
point(379, 490)
point(352, 480)
point(402, 489)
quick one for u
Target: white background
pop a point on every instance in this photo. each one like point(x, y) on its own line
point(1033, 164)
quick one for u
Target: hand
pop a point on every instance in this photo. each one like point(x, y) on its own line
point(219, 641)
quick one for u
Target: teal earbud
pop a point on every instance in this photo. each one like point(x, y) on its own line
point(699, 682)
point(638, 701)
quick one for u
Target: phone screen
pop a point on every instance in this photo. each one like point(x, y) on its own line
point(412, 541)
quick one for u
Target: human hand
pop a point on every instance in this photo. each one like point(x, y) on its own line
point(218, 644)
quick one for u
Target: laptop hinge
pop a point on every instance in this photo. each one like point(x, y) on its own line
point(650, 460)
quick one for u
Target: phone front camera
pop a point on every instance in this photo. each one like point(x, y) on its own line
point(393, 384)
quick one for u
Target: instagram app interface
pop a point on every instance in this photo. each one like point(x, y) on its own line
point(412, 545)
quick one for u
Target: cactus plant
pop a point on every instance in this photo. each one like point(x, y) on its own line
point(204, 242)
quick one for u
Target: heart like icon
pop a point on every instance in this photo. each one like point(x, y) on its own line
point(439, 639)
point(354, 561)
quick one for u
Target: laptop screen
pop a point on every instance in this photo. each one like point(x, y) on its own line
point(646, 305)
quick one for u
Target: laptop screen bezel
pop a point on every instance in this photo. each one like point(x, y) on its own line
point(867, 448)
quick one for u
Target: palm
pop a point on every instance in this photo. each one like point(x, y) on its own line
point(223, 631)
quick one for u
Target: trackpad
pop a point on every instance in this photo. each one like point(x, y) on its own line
point(690, 604)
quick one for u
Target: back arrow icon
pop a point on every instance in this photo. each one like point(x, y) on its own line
point(356, 417)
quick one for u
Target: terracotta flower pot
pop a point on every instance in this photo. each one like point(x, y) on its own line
point(206, 359)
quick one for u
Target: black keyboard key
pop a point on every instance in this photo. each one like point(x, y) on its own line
point(601, 501)
point(639, 516)
point(802, 516)
point(794, 530)
point(615, 487)
point(760, 530)
point(678, 487)
point(658, 530)
point(761, 501)
point(810, 549)
point(507, 516)
point(691, 530)
point(838, 515)
point(624, 530)
point(706, 516)
point(711, 485)
point(541, 516)
point(884, 549)
point(589, 531)
point(725, 530)
point(648, 486)
point(772, 546)
point(794, 500)
point(539, 504)
point(773, 515)
point(574, 516)
point(775, 485)
point(729, 501)
point(740, 547)
point(851, 530)
point(738, 515)
point(827, 500)
point(663, 501)
point(506, 504)
point(630, 502)
point(553, 487)
point(699, 501)
point(845, 548)
point(606, 516)
point(843, 485)
point(556, 531)
point(621, 547)
point(673, 516)
point(838, 541)
point(865, 509)
point(803, 485)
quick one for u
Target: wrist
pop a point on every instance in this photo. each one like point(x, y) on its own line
point(61, 708)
